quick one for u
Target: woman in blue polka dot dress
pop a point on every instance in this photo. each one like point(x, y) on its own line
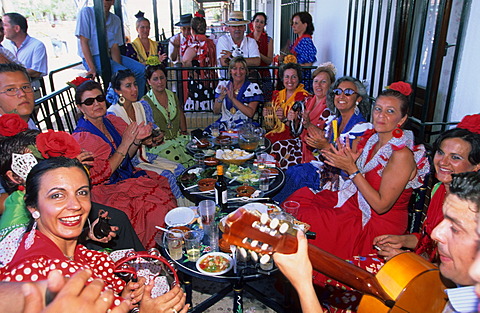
point(303, 47)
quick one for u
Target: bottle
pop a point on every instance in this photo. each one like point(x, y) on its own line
point(221, 189)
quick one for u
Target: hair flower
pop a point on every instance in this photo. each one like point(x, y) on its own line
point(402, 87)
point(77, 81)
point(290, 58)
point(153, 60)
point(54, 144)
point(12, 124)
point(471, 123)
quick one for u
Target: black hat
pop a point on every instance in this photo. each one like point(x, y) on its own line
point(185, 20)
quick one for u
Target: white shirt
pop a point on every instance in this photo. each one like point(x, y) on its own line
point(248, 49)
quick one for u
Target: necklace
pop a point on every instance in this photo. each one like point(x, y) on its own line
point(69, 257)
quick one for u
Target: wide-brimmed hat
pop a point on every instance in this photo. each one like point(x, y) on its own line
point(185, 20)
point(236, 19)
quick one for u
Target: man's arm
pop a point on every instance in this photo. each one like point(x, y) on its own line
point(253, 61)
point(33, 73)
point(87, 54)
point(115, 54)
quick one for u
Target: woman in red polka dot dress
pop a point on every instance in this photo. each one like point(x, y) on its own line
point(58, 197)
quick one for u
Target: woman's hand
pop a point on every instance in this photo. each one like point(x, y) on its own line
point(316, 140)
point(343, 157)
point(292, 115)
point(390, 245)
point(174, 300)
point(279, 113)
point(144, 131)
point(130, 134)
point(306, 119)
point(229, 92)
point(134, 291)
point(85, 157)
point(112, 234)
point(162, 57)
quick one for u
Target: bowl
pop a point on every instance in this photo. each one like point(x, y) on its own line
point(245, 191)
point(211, 161)
point(223, 139)
point(204, 143)
point(235, 161)
point(184, 229)
point(204, 262)
point(206, 184)
point(180, 216)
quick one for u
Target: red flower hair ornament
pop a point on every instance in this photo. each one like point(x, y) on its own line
point(12, 124)
point(77, 81)
point(471, 123)
point(402, 87)
point(54, 144)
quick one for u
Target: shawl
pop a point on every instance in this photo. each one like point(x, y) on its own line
point(292, 48)
point(125, 170)
point(349, 189)
point(206, 50)
point(172, 113)
point(280, 101)
point(141, 53)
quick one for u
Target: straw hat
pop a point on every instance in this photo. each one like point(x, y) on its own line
point(236, 19)
point(185, 20)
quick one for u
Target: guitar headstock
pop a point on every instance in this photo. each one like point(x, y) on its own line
point(259, 233)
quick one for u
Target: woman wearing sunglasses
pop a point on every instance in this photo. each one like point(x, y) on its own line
point(347, 105)
point(143, 195)
point(380, 174)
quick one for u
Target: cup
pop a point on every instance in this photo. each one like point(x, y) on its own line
point(206, 209)
point(175, 244)
point(211, 236)
point(291, 207)
point(199, 158)
point(261, 160)
point(192, 245)
point(215, 129)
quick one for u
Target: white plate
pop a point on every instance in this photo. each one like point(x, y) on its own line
point(262, 208)
point(180, 216)
point(203, 257)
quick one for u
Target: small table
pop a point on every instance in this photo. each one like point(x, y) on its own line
point(276, 184)
point(237, 282)
point(192, 149)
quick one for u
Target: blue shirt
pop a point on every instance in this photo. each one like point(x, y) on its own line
point(463, 299)
point(87, 27)
point(31, 53)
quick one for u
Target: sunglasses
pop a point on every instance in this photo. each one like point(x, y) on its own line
point(347, 92)
point(90, 101)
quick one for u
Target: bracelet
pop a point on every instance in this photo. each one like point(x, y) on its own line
point(122, 154)
point(138, 145)
point(352, 176)
point(219, 100)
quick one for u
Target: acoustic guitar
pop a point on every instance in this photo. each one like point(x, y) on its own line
point(406, 283)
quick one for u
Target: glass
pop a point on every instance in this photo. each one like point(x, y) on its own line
point(192, 245)
point(206, 209)
point(291, 207)
point(347, 92)
point(13, 91)
point(215, 129)
point(211, 236)
point(261, 160)
point(264, 181)
point(175, 244)
point(199, 158)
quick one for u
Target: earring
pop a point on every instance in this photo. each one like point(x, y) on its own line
point(31, 236)
point(357, 110)
point(397, 132)
point(121, 100)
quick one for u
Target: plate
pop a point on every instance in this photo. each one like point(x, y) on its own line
point(262, 208)
point(211, 255)
point(180, 216)
point(192, 146)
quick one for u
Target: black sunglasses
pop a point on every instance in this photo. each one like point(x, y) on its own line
point(347, 92)
point(90, 101)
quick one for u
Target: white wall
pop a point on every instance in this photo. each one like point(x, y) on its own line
point(330, 20)
point(465, 99)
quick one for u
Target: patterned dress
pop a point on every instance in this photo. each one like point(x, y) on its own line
point(304, 49)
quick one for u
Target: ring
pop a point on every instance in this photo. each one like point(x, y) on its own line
point(174, 311)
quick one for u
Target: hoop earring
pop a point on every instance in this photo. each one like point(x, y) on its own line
point(397, 132)
point(121, 99)
point(31, 236)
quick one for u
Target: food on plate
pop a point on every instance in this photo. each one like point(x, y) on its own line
point(211, 161)
point(245, 191)
point(206, 184)
point(203, 143)
point(235, 154)
point(214, 263)
point(188, 177)
point(223, 139)
point(242, 174)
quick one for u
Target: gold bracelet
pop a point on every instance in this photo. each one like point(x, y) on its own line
point(122, 154)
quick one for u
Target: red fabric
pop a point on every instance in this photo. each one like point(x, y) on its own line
point(146, 199)
point(426, 245)
point(262, 43)
point(339, 230)
point(274, 137)
point(44, 256)
point(292, 49)
point(315, 118)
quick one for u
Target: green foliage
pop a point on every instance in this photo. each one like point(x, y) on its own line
point(52, 10)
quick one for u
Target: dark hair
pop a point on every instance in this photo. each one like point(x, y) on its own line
point(153, 68)
point(120, 76)
point(290, 66)
point(35, 176)
point(13, 67)
point(86, 86)
point(472, 138)
point(363, 106)
point(199, 25)
point(18, 19)
point(14, 144)
point(305, 17)
point(261, 14)
point(398, 95)
point(466, 186)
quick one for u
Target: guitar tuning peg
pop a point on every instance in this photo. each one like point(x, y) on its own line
point(264, 219)
point(274, 223)
point(266, 262)
point(264, 247)
point(254, 256)
point(242, 255)
point(284, 228)
point(254, 243)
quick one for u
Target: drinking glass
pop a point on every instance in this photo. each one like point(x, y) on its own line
point(175, 244)
point(291, 207)
point(192, 245)
point(215, 129)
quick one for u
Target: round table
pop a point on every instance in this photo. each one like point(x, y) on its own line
point(237, 282)
point(195, 195)
point(192, 149)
